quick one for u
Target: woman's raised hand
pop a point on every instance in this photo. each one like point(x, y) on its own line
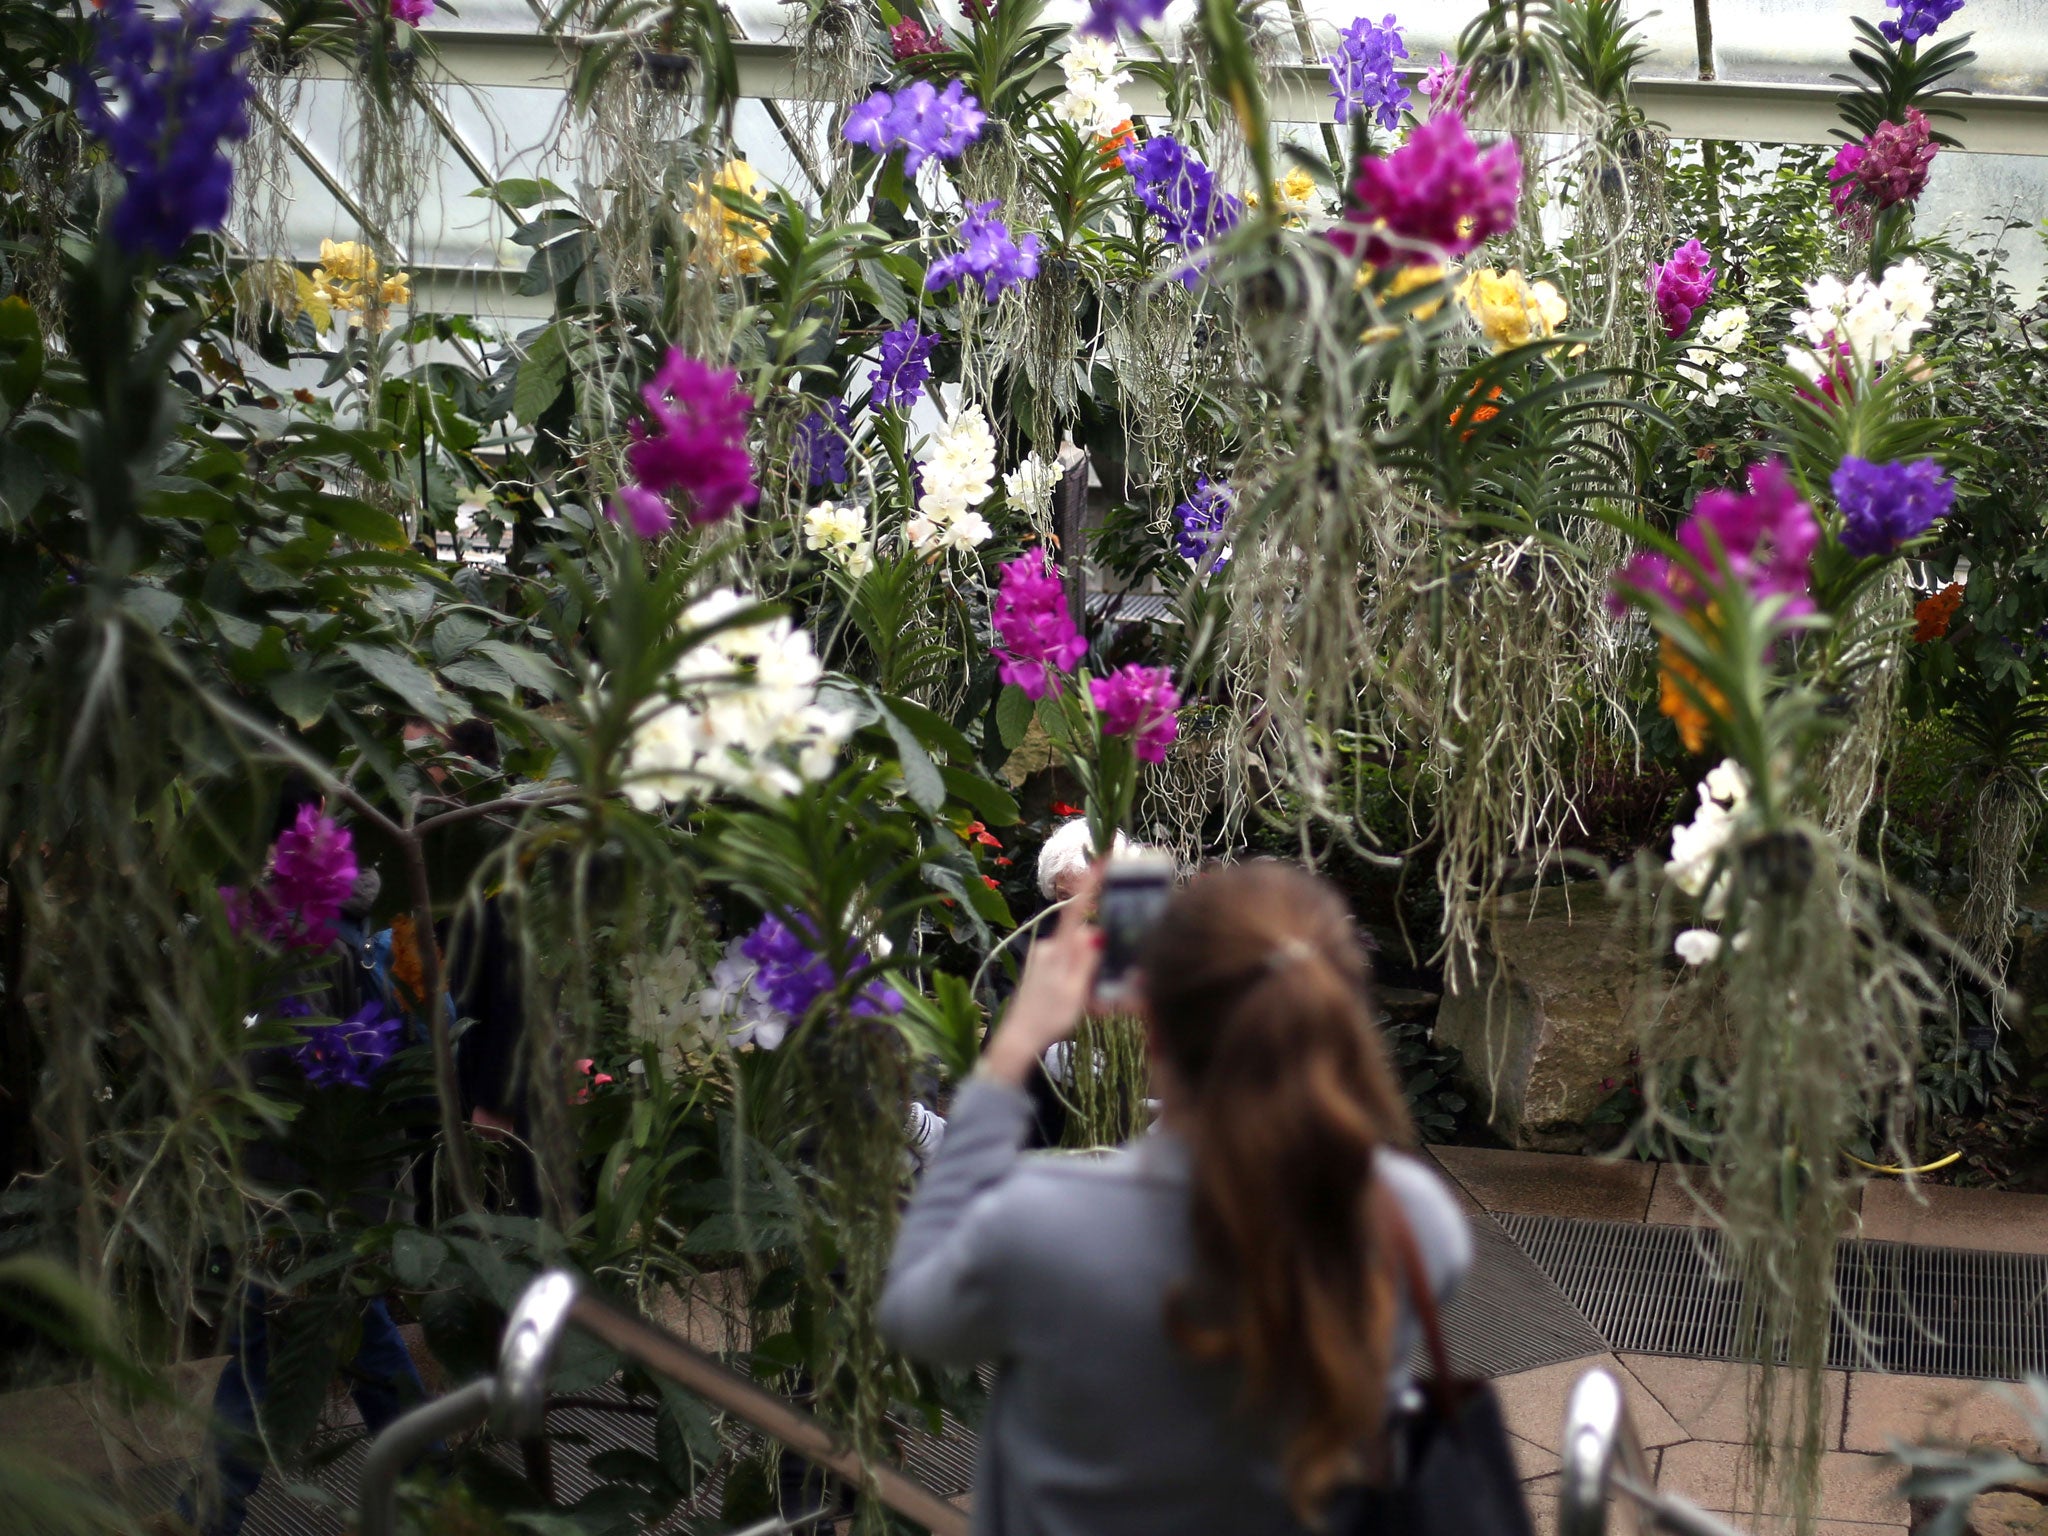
point(1059, 979)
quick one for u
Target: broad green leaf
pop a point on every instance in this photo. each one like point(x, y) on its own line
point(302, 695)
point(920, 775)
point(527, 668)
point(1015, 710)
point(392, 669)
point(542, 373)
point(415, 1257)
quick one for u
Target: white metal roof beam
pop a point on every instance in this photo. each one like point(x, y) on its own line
point(1755, 112)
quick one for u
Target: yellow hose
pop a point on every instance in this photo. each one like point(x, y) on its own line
point(1934, 1167)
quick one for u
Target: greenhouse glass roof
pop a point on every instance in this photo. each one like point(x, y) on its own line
point(503, 113)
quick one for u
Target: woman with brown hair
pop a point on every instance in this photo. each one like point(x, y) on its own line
point(1202, 1331)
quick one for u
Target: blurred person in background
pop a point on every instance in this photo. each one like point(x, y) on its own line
point(1202, 1331)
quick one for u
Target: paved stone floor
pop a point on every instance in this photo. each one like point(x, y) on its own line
point(1690, 1412)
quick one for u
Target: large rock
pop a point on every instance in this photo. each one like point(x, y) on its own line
point(1546, 1031)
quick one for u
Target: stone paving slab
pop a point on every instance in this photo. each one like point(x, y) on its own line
point(1550, 1183)
point(1674, 1201)
point(1936, 1216)
point(1533, 1402)
point(1709, 1398)
point(1914, 1408)
point(1854, 1488)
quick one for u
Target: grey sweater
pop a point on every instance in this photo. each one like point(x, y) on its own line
point(1058, 1268)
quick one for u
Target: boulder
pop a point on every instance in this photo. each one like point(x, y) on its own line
point(1546, 1029)
point(2008, 1514)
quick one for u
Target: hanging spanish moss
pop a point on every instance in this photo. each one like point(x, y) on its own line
point(1495, 654)
point(1051, 349)
point(1150, 342)
point(1874, 670)
point(1106, 1081)
point(264, 188)
point(1807, 1053)
point(1196, 800)
point(2002, 823)
point(839, 57)
point(634, 144)
point(857, 1076)
point(113, 825)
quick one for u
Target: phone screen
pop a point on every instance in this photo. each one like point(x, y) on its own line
point(1134, 893)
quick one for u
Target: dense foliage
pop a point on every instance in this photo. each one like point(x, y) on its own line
point(664, 703)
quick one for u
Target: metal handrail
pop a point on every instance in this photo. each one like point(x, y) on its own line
point(515, 1401)
point(1602, 1455)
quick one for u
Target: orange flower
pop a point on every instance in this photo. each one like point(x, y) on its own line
point(1114, 145)
point(1935, 614)
point(1471, 416)
point(1694, 724)
point(408, 972)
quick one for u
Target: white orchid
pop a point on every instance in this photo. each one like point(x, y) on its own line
point(1875, 321)
point(741, 711)
point(959, 465)
point(1091, 103)
point(1698, 846)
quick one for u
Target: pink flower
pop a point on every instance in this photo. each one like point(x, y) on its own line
point(694, 439)
point(909, 40)
point(1139, 702)
point(1765, 540)
point(1030, 617)
point(641, 510)
point(412, 12)
point(1448, 86)
point(1436, 192)
point(312, 871)
point(1681, 285)
point(1889, 167)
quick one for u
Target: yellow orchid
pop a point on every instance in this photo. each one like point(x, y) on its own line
point(1405, 281)
point(728, 240)
point(1510, 309)
point(347, 277)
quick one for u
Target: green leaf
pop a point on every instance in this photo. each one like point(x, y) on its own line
point(920, 775)
point(21, 353)
point(153, 605)
point(527, 668)
point(360, 521)
point(542, 372)
point(392, 669)
point(1014, 710)
point(995, 805)
point(238, 632)
point(479, 673)
point(305, 1351)
point(521, 192)
point(415, 1257)
point(304, 696)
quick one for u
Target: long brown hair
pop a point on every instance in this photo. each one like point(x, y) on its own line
point(1258, 987)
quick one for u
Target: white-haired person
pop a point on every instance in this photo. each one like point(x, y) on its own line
point(1063, 861)
point(1063, 864)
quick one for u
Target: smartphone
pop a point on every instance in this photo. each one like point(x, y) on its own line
point(1134, 892)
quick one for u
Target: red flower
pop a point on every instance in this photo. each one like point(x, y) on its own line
point(1004, 862)
point(1061, 808)
point(1113, 145)
point(990, 882)
point(1935, 614)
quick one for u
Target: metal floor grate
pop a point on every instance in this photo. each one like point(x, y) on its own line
point(1509, 1315)
point(1660, 1290)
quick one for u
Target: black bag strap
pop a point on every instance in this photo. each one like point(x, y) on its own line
point(1393, 1226)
